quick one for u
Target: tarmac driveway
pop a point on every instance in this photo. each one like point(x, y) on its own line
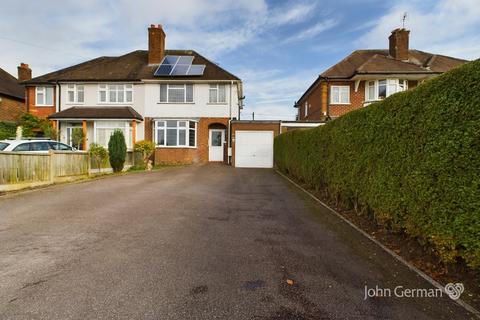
point(208, 242)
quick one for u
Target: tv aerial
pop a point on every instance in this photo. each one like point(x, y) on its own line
point(404, 18)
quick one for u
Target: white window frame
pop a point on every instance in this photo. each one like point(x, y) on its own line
point(390, 82)
point(216, 87)
point(339, 87)
point(128, 129)
point(104, 87)
point(69, 129)
point(75, 88)
point(184, 93)
point(43, 90)
point(164, 145)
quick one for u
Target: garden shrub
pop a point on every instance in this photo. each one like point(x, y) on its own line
point(146, 148)
point(7, 130)
point(411, 160)
point(98, 153)
point(117, 150)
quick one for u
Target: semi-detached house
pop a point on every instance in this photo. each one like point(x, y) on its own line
point(176, 98)
point(366, 76)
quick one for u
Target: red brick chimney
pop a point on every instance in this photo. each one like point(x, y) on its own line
point(398, 48)
point(24, 72)
point(156, 44)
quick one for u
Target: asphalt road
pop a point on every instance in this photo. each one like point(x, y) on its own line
point(209, 242)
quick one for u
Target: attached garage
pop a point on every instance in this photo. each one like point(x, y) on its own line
point(254, 149)
point(252, 143)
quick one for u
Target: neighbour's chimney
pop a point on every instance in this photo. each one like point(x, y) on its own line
point(156, 44)
point(398, 48)
point(24, 72)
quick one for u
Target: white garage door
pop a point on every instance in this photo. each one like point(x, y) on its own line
point(253, 149)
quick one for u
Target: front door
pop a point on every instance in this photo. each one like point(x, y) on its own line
point(215, 144)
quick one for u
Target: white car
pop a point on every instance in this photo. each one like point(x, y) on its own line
point(37, 146)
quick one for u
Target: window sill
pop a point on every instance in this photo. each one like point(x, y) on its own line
point(340, 104)
point(115, 103)
point(74, 103)
point(174, 147)
point(44, 105)
point(175, 102)
point(217, 104)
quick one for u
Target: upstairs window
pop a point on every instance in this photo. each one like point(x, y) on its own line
point(75, 93)
point(176, 93)
point(175, 133)
point(217, 93)
point(380, 89)
point(115, 93)
point(340, 95)
point(44, 96)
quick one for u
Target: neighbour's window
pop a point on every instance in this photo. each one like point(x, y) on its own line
point(75, 93)
point(175, 133)
point(176, 93)
point(115, 93)
point(104, 130)
point(44, 96)
point(371, 91)
point(217, 93)
point(306, 109)
point(380, 89)
point(340, 95)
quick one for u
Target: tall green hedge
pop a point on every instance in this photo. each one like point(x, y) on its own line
point(411, 161)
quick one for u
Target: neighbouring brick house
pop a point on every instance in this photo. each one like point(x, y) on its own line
point(366, 76)
point(12, 93)
point(176, 98)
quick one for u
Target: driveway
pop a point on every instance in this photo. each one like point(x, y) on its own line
point(208, 242)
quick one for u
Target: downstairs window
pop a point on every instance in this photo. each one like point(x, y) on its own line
point(175, 133)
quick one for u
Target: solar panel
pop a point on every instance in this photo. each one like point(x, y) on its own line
point(179, 66)
point(196, 70)
point(180, 70)
point(185, 60)
point(170, 59)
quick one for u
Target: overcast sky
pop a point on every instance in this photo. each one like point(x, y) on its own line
point(277, 48)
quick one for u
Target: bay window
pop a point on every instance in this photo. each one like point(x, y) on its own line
point(176, 93)
point(44, 96)
point(217, 93)
point(380, 89)
point(115, 93)
point(340, 95)
point(75, 93)
point(103, 130)
point(175, 133)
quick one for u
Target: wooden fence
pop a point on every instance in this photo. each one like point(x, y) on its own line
point(19, 170)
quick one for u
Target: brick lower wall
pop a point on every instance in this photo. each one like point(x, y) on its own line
point(196, 155)
point(11, 109)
